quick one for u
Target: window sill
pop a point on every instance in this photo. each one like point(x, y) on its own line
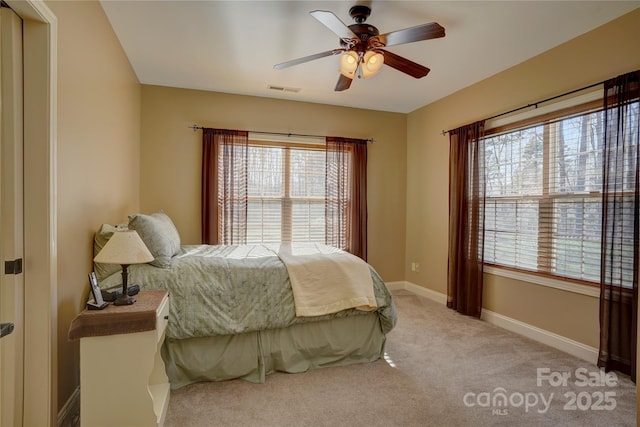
point(544, 281)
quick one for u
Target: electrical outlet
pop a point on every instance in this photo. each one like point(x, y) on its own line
point(415, 267)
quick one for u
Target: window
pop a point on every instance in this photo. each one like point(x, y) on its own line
point(543, 196)
point(263, 191)
point(286, 193)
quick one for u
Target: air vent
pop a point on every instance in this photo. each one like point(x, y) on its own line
point(285, 89)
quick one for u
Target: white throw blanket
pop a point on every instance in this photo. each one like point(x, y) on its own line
point(326, 280)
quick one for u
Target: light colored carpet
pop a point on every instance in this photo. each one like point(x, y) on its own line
point(441, 369)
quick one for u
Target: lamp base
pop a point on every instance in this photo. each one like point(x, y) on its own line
point(124, 300)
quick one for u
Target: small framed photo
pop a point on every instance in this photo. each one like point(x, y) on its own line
point(95, 290)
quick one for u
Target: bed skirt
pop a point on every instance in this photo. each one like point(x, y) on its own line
point(254, 355)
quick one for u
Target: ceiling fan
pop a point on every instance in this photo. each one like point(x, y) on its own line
point(362, 46)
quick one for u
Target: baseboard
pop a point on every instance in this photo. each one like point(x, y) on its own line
point(559, 342)
point(394, 286)
point(418, 290)
point(556, 341)
point(69, 415)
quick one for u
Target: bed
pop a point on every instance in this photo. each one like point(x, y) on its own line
point(237, 311)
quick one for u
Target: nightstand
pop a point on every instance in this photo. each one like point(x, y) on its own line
point(122, 375)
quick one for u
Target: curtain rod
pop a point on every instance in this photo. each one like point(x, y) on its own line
point(535, 104)
point(196, 127)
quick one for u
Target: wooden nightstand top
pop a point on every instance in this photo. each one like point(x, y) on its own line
point(122, 319)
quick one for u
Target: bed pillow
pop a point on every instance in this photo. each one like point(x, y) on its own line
point(100, 239)
point(158, 232)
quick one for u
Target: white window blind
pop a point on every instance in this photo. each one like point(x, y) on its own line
point(544, 202)
point(286, 191)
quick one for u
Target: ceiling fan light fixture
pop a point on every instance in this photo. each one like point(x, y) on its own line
point(349, 64)
point(371, 63)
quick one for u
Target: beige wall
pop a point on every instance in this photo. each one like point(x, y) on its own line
point(98, 155)
point(105, 173)
point(171, 157)
point(608, 51)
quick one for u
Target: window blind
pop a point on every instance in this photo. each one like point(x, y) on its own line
point(543, 197)
point(285, 194)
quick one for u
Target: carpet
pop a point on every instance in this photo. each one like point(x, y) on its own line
point(440, 369)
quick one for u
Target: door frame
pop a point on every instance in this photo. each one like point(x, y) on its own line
point(11, 229)
point(40, 213)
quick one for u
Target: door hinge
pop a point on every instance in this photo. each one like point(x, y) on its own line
point(6, 329)
point(13, 267)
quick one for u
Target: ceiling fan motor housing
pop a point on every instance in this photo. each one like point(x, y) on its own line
point(365, 32)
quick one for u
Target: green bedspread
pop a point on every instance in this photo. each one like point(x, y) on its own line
point(224, 290)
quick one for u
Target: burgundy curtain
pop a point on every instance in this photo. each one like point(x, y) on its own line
point(466, 219)
point(346, 195)
point(224, 186)
point(620, 225)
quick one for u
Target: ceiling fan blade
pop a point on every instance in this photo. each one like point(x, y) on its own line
point(413, 34)
point(343, 83)
point(404, 65)
point(332, 22)
point(307, 59)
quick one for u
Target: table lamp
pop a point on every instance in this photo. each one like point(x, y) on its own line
point(124, 248)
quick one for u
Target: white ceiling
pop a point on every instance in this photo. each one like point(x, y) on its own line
point(231, 46)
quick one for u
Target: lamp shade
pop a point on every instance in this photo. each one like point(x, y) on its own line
point(124, 247)
point(349, 64)
point(371, 64)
